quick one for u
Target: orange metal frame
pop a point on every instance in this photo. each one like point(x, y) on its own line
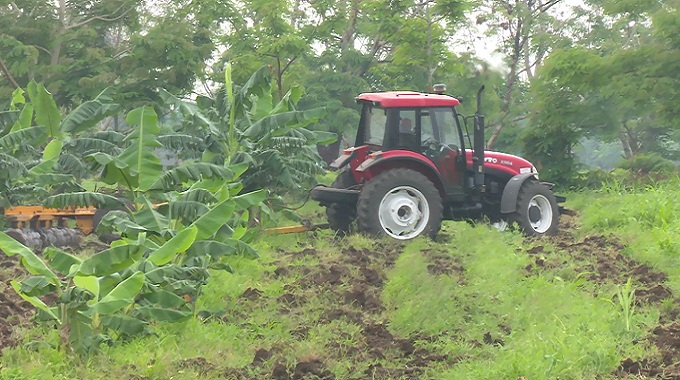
point(41, 217)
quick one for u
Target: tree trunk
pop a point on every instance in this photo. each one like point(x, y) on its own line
point(509, 83)
point(632, 139)
point(279, 74)
point(627, 154)
point(5, 71)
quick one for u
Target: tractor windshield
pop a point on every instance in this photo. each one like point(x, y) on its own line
point(413, 129)
point(441, 126)
point(428, 127)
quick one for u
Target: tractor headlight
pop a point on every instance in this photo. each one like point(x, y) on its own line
point(533, 170)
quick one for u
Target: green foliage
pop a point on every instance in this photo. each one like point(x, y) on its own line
point(38, 141)
point(643, 164)
point(81, 48)
point(626, 297)
point(603, 86)
point(250, 128)
point(163, 260)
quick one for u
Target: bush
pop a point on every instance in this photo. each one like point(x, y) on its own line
point(647, 163)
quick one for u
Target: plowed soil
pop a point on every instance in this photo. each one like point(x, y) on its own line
point(14, 311)
point(352, 283)
point(602, 260)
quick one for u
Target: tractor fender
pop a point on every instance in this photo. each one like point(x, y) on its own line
point(511, 192)
point(378, 163)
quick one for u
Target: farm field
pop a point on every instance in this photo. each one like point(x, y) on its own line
point(597, 301)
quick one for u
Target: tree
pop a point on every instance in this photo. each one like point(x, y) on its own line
point(36, 139)
point(245, 125)
point(613, 84)
point(527, 30)
point(80, 48)
point(375, 45)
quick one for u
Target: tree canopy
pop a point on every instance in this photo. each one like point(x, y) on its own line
point(604, 70)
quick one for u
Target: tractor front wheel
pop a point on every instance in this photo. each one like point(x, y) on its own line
point(400, 203)
point(537, 212)
point(340, 216)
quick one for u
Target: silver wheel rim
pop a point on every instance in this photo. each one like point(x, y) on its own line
point(544, 221)
point(404, 212)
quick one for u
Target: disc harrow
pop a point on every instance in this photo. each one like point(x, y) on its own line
point(38, 227)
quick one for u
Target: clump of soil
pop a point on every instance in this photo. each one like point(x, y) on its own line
point(199, 364)
point(14, 310)
point(601, 260)
point(667, 364)
point(251, 294)
point(306, 369)
point(443, 265)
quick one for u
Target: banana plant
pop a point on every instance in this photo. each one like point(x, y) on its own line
point(179, 226)
point(35, 138)
point(246, 125)
point(93, 296)
point(154, 273)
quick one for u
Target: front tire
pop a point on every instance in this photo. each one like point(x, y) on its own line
point(537, 212)
point(400, 203)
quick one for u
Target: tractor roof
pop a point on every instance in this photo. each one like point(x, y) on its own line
point(406, 99)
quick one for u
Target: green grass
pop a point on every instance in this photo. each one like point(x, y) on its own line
point(549, 328)
point(474, 298)
point(647, 219)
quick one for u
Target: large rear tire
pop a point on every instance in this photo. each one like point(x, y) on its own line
point(341, 216)
point(400, 203)
point(537, 212)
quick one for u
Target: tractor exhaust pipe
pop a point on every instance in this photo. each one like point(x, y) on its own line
point(478, 157)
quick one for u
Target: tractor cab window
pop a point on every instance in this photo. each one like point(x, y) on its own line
point(408, 138)
point(438, 127)
point(375, 120)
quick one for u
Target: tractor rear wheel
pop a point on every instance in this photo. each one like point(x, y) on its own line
point(340, 216)
point(400, 203)
point(537, 212)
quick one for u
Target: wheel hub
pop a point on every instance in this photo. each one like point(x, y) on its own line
point(540, 213)
point(534, 214)
point(404, 212)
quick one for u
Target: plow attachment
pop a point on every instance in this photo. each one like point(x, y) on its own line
point(42, 238)
point(38, 227)
point(296, 229)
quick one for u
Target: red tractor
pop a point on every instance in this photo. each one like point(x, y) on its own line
point(410, 169)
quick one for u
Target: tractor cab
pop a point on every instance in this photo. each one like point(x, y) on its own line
point(411, 127)
point(408, 121)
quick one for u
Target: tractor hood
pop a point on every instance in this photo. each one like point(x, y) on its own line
point(504, 162)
